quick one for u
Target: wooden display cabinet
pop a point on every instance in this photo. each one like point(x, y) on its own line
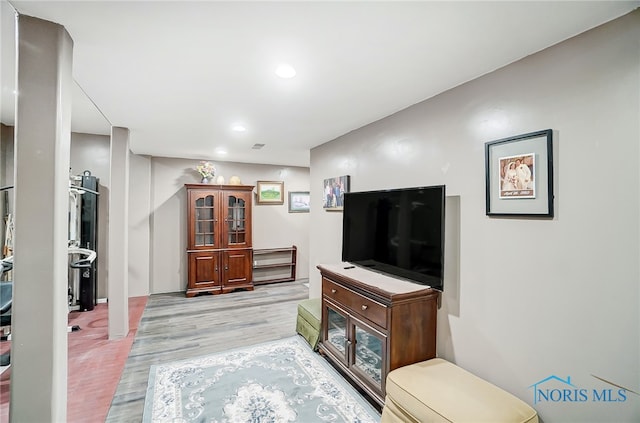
point(219, 249)
point(373, 324)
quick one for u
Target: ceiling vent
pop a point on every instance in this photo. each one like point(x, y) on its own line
point(257, 146)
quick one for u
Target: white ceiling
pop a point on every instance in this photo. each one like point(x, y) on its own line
point(178, 74)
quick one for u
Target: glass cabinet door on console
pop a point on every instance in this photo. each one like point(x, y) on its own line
point(336, 335)
point(357, 345)
point(369, 351)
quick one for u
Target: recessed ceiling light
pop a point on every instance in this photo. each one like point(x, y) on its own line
point(285, 71)
point(221, 152)
point(238, 128)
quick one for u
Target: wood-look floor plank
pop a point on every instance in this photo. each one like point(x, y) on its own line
point(174, 327)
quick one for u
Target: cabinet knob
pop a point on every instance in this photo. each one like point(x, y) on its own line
point(364, 307)
point(333, 291)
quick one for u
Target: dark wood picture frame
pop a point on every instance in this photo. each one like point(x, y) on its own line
point(519, 175)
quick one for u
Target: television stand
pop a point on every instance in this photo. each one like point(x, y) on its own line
point(373, 323)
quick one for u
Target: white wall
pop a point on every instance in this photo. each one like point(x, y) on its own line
point(273, 226)
point(527, 298)
point(139, 225)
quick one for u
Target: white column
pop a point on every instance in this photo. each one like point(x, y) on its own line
point(43, 137)
point(117, 261)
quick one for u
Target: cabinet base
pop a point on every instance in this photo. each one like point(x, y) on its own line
point(193, 292)
point(216, 290)
point(227, 289)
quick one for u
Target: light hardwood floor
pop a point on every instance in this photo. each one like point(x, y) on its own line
point(174, 327)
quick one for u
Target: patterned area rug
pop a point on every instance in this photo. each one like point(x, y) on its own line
point(280, 381)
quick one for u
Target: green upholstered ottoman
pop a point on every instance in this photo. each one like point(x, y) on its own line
point(308, 321)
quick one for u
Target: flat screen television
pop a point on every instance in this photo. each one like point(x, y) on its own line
point(399, 232)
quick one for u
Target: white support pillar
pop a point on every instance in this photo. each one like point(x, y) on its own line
point(41, 176)
point(118, 261)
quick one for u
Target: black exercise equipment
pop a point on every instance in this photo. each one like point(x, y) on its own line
point(6, 301)
point(88, 296)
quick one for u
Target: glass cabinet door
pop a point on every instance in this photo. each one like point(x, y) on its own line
point(368, 354)
point(204, 222)
point(236, 220)
point(336, 334)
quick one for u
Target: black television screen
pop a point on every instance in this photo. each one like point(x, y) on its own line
point(399, 232)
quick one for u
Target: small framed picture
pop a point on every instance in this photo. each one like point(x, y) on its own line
point(299, 201)
point(519, 175)
point(270, 192)
point(334, 189)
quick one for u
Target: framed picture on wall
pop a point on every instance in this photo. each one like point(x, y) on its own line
point(519, 175)
point(333, 194)
point(299, 201)
point(270, 192)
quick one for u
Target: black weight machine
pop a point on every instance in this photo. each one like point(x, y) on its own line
point(83, 238)
point(6, 299)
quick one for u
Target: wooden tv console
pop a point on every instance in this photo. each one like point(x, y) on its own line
point(372, 324)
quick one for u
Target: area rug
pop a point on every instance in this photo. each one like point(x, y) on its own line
point(279, 381)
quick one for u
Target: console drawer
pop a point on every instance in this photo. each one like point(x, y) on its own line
point(358, 304)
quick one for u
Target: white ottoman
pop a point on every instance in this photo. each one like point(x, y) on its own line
point(438, 391)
